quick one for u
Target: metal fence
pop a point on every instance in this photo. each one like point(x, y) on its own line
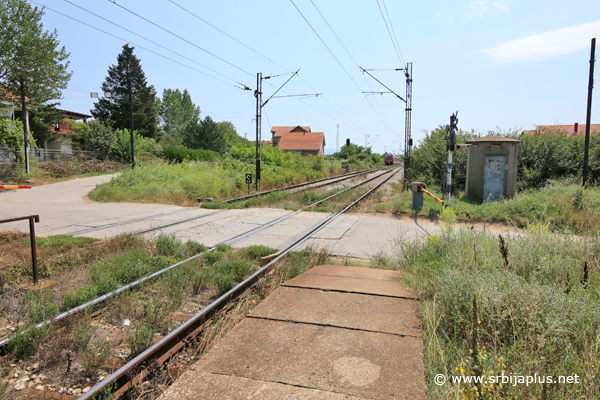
point(13, 156)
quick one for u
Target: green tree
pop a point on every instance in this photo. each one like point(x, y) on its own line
point(231, 136)
point(32, 66)
point(115, 109)
point(11, 132)
point(176, 111)
point(93, 136)
point(205, 135)
point(41, 121)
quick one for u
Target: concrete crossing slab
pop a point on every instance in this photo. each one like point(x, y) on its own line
point(350, 285)
point(206, 385)
point(355, 272)
point(345, 361)
point(344, 310)
point(304, 343)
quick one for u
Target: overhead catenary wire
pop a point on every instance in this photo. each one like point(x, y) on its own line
point(337, 60)
point(136, 45)
point(394, 43)
point(151, 41)
point(181, 38)
point(282, 66)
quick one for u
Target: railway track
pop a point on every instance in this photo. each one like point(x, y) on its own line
point(169, 345)
point(160, 353)
point(208, 217)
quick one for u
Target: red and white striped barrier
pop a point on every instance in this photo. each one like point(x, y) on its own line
point(15, 187)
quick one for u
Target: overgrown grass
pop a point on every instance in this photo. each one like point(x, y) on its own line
point(60, 242)
point(183, 183)
point(561, 207)
point(518, 305)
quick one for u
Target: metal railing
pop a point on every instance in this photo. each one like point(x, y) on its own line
point(14, 155)
point(32, 219)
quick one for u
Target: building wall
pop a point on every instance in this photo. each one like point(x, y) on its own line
point(476, 167)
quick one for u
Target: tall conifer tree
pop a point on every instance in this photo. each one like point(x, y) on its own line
point(115, 109)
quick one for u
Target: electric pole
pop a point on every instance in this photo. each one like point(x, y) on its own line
point(408, 109)
point(130, 112)
point(589, 112)
point(337, 139)
point(451, 147)
point(407, 122)
point(259, 106)
point(258, 95)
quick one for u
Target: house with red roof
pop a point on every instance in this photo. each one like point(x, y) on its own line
point(298, 138)
point(571, 130)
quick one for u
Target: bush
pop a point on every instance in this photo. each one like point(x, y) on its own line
point(23, 345)
point(229, 273)
point(258, 251)
point(79, 296)
point(181, 154)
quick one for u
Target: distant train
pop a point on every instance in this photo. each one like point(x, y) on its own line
point(390, 159)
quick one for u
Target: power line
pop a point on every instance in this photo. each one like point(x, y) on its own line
point(141, 47)
point(179, 37)
point(153, 42)
point(228, 35)
point(336, 59)
point(394, 32)
point(396, 47)
point(274, 62)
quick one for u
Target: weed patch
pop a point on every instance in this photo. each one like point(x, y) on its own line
point(520, 305)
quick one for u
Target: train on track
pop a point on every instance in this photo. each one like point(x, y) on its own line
point(390, 158)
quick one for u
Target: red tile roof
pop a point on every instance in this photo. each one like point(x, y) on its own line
point(278, 130)
point(568, 129)
point(302, 141)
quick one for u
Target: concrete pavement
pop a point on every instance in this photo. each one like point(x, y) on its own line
point(65, 209)
point(350, 333)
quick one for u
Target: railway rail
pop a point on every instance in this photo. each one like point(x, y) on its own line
point(163, 350)
point(320, 182)
point(154, 358)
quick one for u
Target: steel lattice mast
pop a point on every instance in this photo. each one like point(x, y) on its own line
point(407, 135)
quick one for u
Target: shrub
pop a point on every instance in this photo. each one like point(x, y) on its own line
point(23, 345)
point(181, 154)
point(41, 306)
point(79, 296)
point(140, 339)
point(258, 251)
point(200, 281)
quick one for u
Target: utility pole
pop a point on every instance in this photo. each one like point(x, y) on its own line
point(408, 109)
point(258, 95)
point(130, 113)
point(451, 147)
point(407, 122)
point(259, 106)
point(337, 139)
point(589, 112)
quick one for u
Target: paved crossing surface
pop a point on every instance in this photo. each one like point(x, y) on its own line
point(334, 332)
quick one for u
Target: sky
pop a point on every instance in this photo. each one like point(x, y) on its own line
point(503, 65)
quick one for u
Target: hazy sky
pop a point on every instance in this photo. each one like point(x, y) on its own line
point(507, 64)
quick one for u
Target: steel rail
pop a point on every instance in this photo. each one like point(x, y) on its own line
point(99, 228)
point(351, 187)
point(163, 349)
point(229, 241)
point(180, 221)
point(342, 176)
